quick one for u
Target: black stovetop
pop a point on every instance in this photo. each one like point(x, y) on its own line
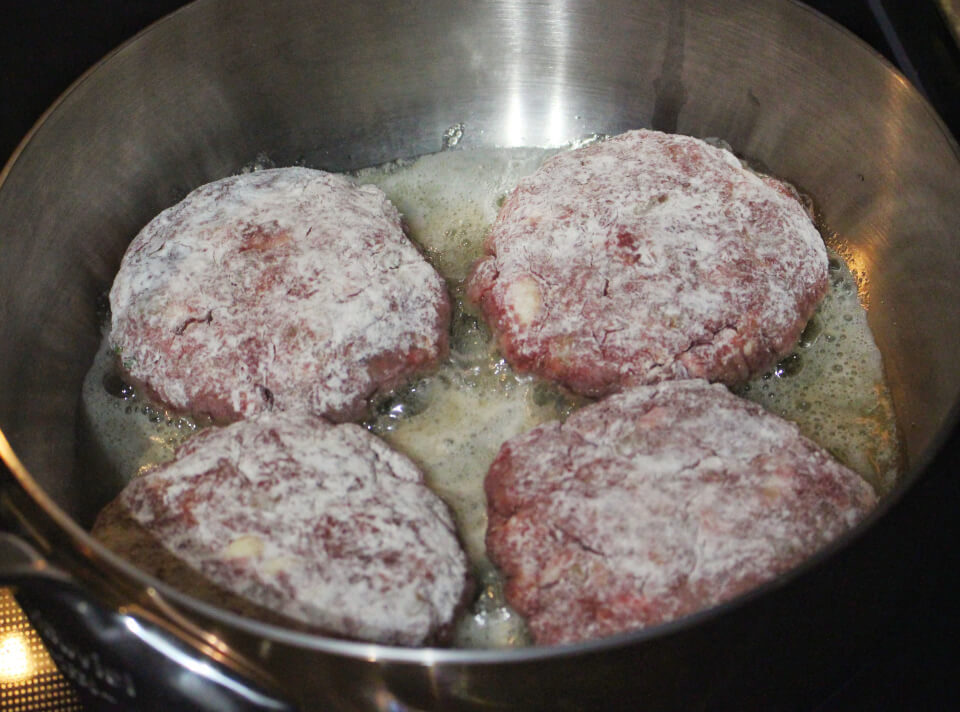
point(48, 43)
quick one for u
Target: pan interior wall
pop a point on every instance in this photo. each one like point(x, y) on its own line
point(215, 85)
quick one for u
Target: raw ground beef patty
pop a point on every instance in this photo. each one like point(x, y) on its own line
point(319, 524)
point(278, 289)
point(654, 503)
point(648, 257)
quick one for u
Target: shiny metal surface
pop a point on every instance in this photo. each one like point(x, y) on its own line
point(341, 85)
point(92, 645)
point(951, 12)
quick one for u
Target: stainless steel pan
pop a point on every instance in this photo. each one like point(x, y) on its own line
point(340, 85)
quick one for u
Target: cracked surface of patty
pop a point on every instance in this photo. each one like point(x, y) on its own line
point(657, 502)
point(285, 513)
point(648, 257)
point(278, 289)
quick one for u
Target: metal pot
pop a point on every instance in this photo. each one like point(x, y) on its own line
point(341, 85)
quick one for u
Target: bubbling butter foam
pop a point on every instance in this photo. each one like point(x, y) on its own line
point(453, 422)
point(131, 432)
point(832, 386)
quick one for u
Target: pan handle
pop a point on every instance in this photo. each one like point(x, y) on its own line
point(119, 659)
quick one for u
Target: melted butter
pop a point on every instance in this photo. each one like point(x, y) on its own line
point(130, 432)
point(448, 200)
point(832, 386)
point(453, 422)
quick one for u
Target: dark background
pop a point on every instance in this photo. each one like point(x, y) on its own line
point(47, 44)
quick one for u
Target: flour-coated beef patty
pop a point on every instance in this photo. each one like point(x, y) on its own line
point(648, 257)
point(319, 524)
point(654, 503)
point(278, 289)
